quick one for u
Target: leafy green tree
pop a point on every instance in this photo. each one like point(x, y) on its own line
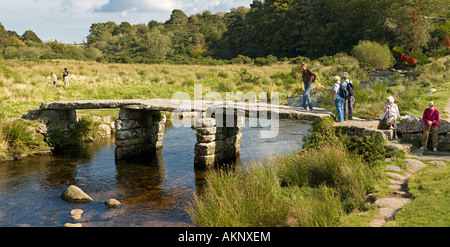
point(30, 36)
point(155, 45)
point(373, 54)
point(178, 17)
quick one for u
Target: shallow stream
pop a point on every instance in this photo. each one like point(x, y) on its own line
point(154, 191)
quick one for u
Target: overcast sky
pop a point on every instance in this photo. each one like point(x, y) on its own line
point(68, 21)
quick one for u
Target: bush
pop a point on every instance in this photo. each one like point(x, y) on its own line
point(269, 60)
point(331, 166)
point(240, 59)
point(300, 60)
point(373, 54)
point(322, 134)
point(92, 53)
point(12, 52)
point(371, 148)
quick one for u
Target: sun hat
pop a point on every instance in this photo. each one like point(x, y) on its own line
point(390, 99)
point(431, 103)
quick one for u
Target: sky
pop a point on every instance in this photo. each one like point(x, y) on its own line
point(68, 21)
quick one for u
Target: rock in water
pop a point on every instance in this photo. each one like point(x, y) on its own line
point(73, 225)
point(112, 203)
point(76, 214)
point(75, 194)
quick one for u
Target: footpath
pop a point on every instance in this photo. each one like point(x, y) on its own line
point(394, 202)
point(390, 205)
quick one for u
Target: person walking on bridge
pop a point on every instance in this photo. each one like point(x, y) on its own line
point(308, 80)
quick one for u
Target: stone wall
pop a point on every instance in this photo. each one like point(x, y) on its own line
point(138, 132)
point(411, 129)
point(217, 145)
point(53, 119)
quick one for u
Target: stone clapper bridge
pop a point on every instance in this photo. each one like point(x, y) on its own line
point(140, 126)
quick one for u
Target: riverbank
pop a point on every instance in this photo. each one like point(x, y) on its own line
point(355, 182)
point(21, 138)
point(314, 186)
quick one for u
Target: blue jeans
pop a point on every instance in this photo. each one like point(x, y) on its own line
point(340, 109)
point(307, 97)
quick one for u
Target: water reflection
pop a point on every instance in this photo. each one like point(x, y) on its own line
point(154, 190)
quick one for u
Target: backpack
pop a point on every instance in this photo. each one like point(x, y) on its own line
point(343, 93)
point(351, 89)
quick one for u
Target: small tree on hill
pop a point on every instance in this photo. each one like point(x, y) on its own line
point(373, 54)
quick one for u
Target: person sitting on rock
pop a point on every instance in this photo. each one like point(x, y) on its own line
point(431, 118)
point(390, 114)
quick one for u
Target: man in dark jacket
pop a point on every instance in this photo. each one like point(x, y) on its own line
point(65, 77)
point(308, 80)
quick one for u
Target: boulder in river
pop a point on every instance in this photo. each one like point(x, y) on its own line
point(75, 194)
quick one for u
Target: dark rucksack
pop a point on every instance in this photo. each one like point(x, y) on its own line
point(350, 89)
point(343, 91)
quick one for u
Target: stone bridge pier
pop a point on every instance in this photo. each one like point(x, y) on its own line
point(138, 132)
point(218, 139)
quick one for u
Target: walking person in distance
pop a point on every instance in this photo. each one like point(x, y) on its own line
point(308, 78)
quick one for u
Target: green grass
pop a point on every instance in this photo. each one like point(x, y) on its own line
point(430, 189)
point(302, 189)
point(319, 186)
point(19, 139)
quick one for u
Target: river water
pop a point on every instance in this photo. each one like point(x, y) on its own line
point(154, 191)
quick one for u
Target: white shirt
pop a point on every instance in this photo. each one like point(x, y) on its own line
point(337, 85)
point(392, 111)
point(54, 77)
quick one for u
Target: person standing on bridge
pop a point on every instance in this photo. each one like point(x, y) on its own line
point(308, 80)
point(338, 99)
point(431, 118)
point(348, 102)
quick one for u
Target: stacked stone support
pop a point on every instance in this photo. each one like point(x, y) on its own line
point(138, 132)
point(53, 119)
point(217, 145)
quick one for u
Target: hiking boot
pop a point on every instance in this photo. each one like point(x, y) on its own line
point(422, 148)
point(434, 149)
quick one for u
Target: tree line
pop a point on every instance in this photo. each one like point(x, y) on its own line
point(268, 30)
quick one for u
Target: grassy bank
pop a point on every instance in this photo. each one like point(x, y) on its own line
point(19, 139)
point(320, 186)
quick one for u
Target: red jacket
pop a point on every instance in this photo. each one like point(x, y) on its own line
point(431, 115)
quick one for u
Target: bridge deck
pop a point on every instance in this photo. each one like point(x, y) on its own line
point(187, 105)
